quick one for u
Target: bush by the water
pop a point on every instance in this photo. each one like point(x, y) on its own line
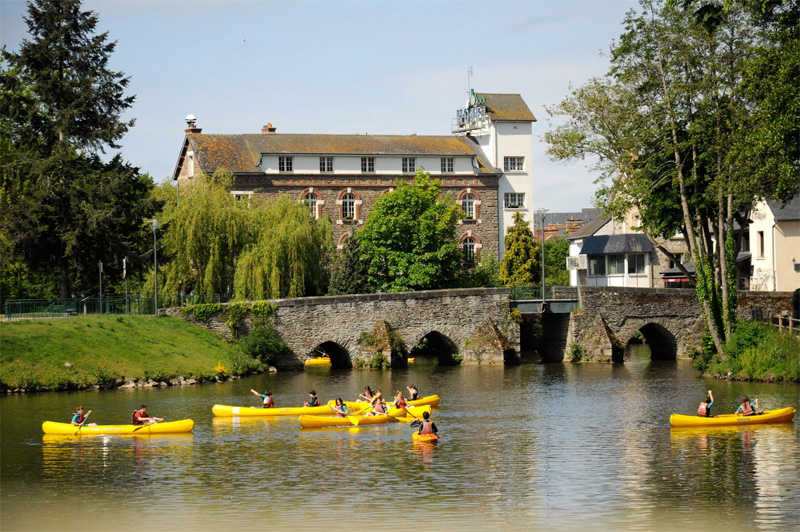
point(755, 352)
point(263, 343)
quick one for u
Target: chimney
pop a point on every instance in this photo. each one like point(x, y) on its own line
point(190, 122)
point(269, 128)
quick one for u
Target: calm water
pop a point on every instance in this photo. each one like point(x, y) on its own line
point(532, 447)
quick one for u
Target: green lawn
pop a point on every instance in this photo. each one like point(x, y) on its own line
point(33, 353)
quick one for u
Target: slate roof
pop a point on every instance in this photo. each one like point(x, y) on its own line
point(590, 228)
point(240, 153)
point(786, 211)
point(561, 218)
point(608, 244)
point(507, 108)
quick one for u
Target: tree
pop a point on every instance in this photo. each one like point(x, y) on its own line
point(521, 264)
point(408, 241)
point(556, 251)
point(349, 273)
point(63, 209)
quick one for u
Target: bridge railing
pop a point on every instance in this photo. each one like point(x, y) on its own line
point(522, 293)
point(143, 304)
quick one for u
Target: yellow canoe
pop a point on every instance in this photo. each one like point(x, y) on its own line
point(424, 438)
point(308, 422)
point(414, 411)
point(169, 427)
point(320, 361)
point(432, 400)
point(769, 416)
point(233, 411)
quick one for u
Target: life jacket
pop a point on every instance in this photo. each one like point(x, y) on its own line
point(400, 403)
point(135, 419)
point(747, 409)
point(379, 408)
point(702, 410)
point(80, 418)
point(314, 401)
point(414, 394)
point(426, 427)
point(268, 403)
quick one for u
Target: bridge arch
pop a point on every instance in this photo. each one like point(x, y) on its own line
point(662, 342)
point(435, 346)
point(340, 357)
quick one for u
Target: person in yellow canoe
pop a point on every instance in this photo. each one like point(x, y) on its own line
point(340, 408)
point(378, 405)
point(704, 409)
point(141, 417)
point(266, 398)
point(427, 426)
point(747, 407)
point(79, 420)
point(413, 392)
point(400, 402)
point(367, 395)
point(313, 400)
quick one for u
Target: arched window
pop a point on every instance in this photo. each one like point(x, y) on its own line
point(310, 200)
point(348, 206)
point(468, 249)
point(468, 205)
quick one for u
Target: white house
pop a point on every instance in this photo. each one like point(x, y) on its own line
point(775, 246)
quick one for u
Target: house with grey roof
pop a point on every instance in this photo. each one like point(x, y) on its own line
point(775, 245)
point(484, 164)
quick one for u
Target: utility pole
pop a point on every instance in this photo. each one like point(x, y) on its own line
point(542, 212)
point(125, 276)
point(100, 266)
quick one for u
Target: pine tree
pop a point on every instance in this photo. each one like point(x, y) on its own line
point(521, 264)
point(349, 273)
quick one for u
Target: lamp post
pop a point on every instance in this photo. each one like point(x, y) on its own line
point(155, 268)
point(542, 212)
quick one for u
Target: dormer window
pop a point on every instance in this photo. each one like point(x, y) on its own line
point(326, 164)
point(409, 165)
point(284, 164)
point(447, 165)
point(368, 165)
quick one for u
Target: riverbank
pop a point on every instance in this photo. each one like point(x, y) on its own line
point(756, 352)
point(114, 351)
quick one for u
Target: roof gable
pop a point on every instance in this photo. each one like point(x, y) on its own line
point(507, 107)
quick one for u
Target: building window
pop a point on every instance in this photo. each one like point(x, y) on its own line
point(368, 165)
point(190, 164)
point(597, 265)
point(760, 243)
point(635, 264)
point(326, 164)
point(513, 164)
point(310, 200)
point(514, 200)
point(468, 206)
point(616, 264)
point(348, 206)
point(678, 258)
point(242, 195)
point(468, 249)
point(409, 165)
point(284, 164)
point(447, 165)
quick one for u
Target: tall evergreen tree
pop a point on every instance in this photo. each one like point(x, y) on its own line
point(521, 264)
point(63, 209)
point(349, 273)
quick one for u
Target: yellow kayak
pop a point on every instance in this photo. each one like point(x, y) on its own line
point(308, 422)
point(232, 411)
point(432, 400)
point(169, 427)
point(414, 411)
point(320, 361)
point(423, 438)
point(769, 416)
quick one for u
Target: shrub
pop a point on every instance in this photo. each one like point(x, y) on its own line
point(242, 364)
point(576, 352)
point(263, 343)
point(201, 312)
point(234, 315)
point(262, 310)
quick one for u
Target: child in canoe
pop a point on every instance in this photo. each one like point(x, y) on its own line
point(266, 398)
point(378, 406)
point(704, 409)
point(340, 408)
point(413, 392)
point(79, 420)
point(313, 400)
point(747, 407)
point(427, 426)
point(367, 395)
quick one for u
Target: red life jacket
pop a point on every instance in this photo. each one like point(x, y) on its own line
point(747, 409)
point(702, 410)
point(80, 418)
point(379, 408)
point(400, 403)
point(426, 427)
point(268, 403)
point(135, 417)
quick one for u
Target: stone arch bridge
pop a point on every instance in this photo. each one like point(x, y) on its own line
point(480, 326)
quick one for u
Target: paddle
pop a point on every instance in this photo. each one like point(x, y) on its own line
point(146, 425)
point(82, 422)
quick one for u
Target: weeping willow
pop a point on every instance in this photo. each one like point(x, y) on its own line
point(289, 256)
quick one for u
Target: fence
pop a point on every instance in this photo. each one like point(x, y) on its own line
point(521, 293)
point(144, 304)
point(782, 323)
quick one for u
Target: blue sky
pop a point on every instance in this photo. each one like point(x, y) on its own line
point(378, 67)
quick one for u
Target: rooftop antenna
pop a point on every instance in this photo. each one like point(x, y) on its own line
point(469, 87)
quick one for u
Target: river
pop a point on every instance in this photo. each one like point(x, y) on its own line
point(537, 446)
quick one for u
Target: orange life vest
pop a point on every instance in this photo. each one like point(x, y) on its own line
point(747, 409)
point(702, 410)
point(426, 427)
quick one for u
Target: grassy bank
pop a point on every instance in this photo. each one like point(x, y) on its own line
point(85, 351)
point(755, 352)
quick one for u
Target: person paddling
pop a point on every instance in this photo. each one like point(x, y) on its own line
point(747, 407)
point(704, 409)
point(378, 406)
point(313, 400)
point(340, 408)
point(400, 402)
point(266, 398)
point(367, 395)
point(413, 392)
point(141, 417)
point(79, 420)
point(427, 426)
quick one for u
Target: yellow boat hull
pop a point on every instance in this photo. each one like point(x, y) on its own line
point(414, 411)
point(321, 361)
point(769, 416)
point(313, 422)
point(431, 400)
point(424, 438)
point(169, 427)
point(235, 411)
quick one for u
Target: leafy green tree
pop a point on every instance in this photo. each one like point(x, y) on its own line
point(408, 241)
point(288, 256)
point(349, 273)
point(556, 251)
point(61, 208)
point(521, 264)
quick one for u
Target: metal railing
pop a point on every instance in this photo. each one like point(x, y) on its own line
point(522, 293)
point(143, 304)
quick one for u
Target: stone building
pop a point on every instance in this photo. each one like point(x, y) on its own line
point(484, 166)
